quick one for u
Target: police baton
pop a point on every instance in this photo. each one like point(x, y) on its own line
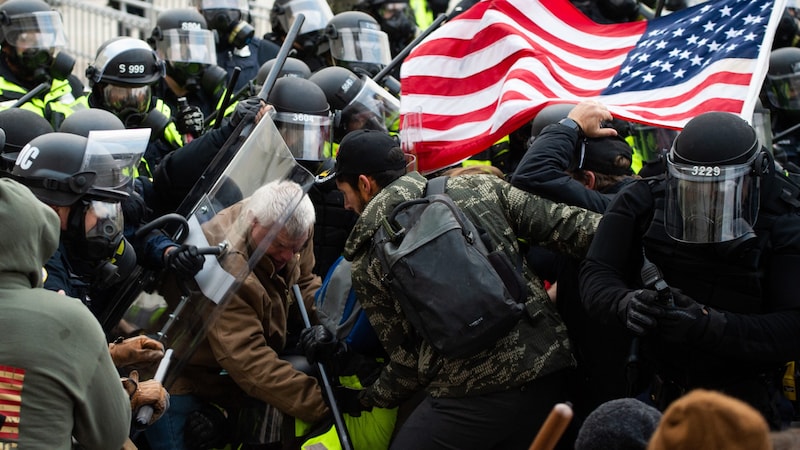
point(31, 94)
point(341, 428)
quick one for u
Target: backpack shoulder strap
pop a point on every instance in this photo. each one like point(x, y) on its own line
point(436, 185)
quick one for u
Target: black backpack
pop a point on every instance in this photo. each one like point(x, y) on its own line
point(459, 298)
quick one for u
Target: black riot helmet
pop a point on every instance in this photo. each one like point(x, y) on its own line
point(32, 39)
point(83, 121)
point(302, 117)
point(396, 18)
point(122, 75)
point(357, 102)
point(229, 19)
point(20, 126)
point(183, 41)
point(317, 14)
point(550, 114)
point(782, 85)
point(714, 171)
point(356, 42)
point(292, 67)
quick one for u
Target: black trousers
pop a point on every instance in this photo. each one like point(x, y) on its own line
point(504, 420)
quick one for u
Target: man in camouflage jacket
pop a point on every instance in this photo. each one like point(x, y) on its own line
point(499, 397)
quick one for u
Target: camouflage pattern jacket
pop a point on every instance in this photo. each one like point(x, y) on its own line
point(536, 347)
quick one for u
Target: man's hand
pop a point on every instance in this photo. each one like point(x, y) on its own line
point(318, 344)
point(689, 321)
point(591, 115)
point(185, 260)
point(250, 106)
point(189, 120)
point(136, 350)
point(639, 311)
point(149, 392)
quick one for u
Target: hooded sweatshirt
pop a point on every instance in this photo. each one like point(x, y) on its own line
point(55, 368)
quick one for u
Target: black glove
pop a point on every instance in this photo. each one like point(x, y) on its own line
point(349, 401)
point(638, 311)
point(319, 344)
point(185, 261)
point(206, 428)
point(689, 321)
point(248, 106)
point(189, 120)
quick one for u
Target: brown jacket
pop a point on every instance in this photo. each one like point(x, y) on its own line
point(246, 337)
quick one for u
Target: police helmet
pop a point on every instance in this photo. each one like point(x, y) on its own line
point(713, 180)
point(782, 84)
point(229, 19)
point(292, 67)
point(36, 33)
point(358, 102)
point(302, 116)
point(53, 167)
point(356, 41)
point(549, 115)
point(83, 121)
point(317, 14)
point(396, 18)
point(20, 127)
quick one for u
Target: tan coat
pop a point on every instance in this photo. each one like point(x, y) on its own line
point(250, 332)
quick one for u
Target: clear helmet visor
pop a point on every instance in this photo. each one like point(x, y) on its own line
point(710, 204)
point(104, 220)
point(188, 46)
point(650, 141)
point(373, 108)
point(361, 45)
point(308, 136)
point(127, 98)
point(113, 155)
point(317, 15)
point(784, 91)
point(38, 30)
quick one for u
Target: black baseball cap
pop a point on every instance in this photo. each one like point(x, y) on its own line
point(599, 154)
point(366, 152)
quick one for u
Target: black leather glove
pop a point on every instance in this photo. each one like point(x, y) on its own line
point(349, 401)
point(185, 261)
point(206, 428)
point(319, 344)
point(689, 321)
point(639, 310)
point(248, 106)
point(189, 120)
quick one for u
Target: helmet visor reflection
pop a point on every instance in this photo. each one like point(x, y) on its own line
point(317, 14)
point(373, 108)
point(710, 204)
point(784, 91)
point(36, 30)
point(188, 46)
point(307, 136)
point(108, 224)
point(120, 98)
point(361, 45)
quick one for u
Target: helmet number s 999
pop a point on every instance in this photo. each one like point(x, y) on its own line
point(131, 69)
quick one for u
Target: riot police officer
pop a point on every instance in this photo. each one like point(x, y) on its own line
point(32, 60)
point(237, 45)
point(317, 13)
point(781, 91)
point(122, 78)
point(356, 42)
point(701, 264)
point(194, 85)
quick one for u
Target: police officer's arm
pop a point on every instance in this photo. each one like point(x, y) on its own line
point(612, 265)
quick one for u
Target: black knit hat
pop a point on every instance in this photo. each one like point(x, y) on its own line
point(621, 424)
point(599, 154)
point(366, 152)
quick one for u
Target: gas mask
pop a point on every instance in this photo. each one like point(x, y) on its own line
point(230, 26)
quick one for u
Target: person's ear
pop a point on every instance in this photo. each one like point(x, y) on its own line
point(589, 179)
point(364, 185)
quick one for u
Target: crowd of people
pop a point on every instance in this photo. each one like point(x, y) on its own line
point(655, 266)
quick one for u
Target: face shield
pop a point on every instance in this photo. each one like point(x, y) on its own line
point(307, 136)
point(372, 108)
point(360, 45)
point(651, 142)
point(240, 5)
point(187, 46)
point(317, 15)
point(710, 204)
point(127, 100)
point(783, 91)
point(38, 30)
point(113, 156)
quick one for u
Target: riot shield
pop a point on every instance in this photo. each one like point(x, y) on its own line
point(262, 158)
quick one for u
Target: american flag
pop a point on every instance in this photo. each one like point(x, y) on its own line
point(488, 71)
point(11, 381)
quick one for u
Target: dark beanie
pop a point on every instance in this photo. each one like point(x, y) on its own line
point(621, 424)
point(599, 155)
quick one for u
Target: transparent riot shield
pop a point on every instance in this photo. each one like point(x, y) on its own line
point(262, 158)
